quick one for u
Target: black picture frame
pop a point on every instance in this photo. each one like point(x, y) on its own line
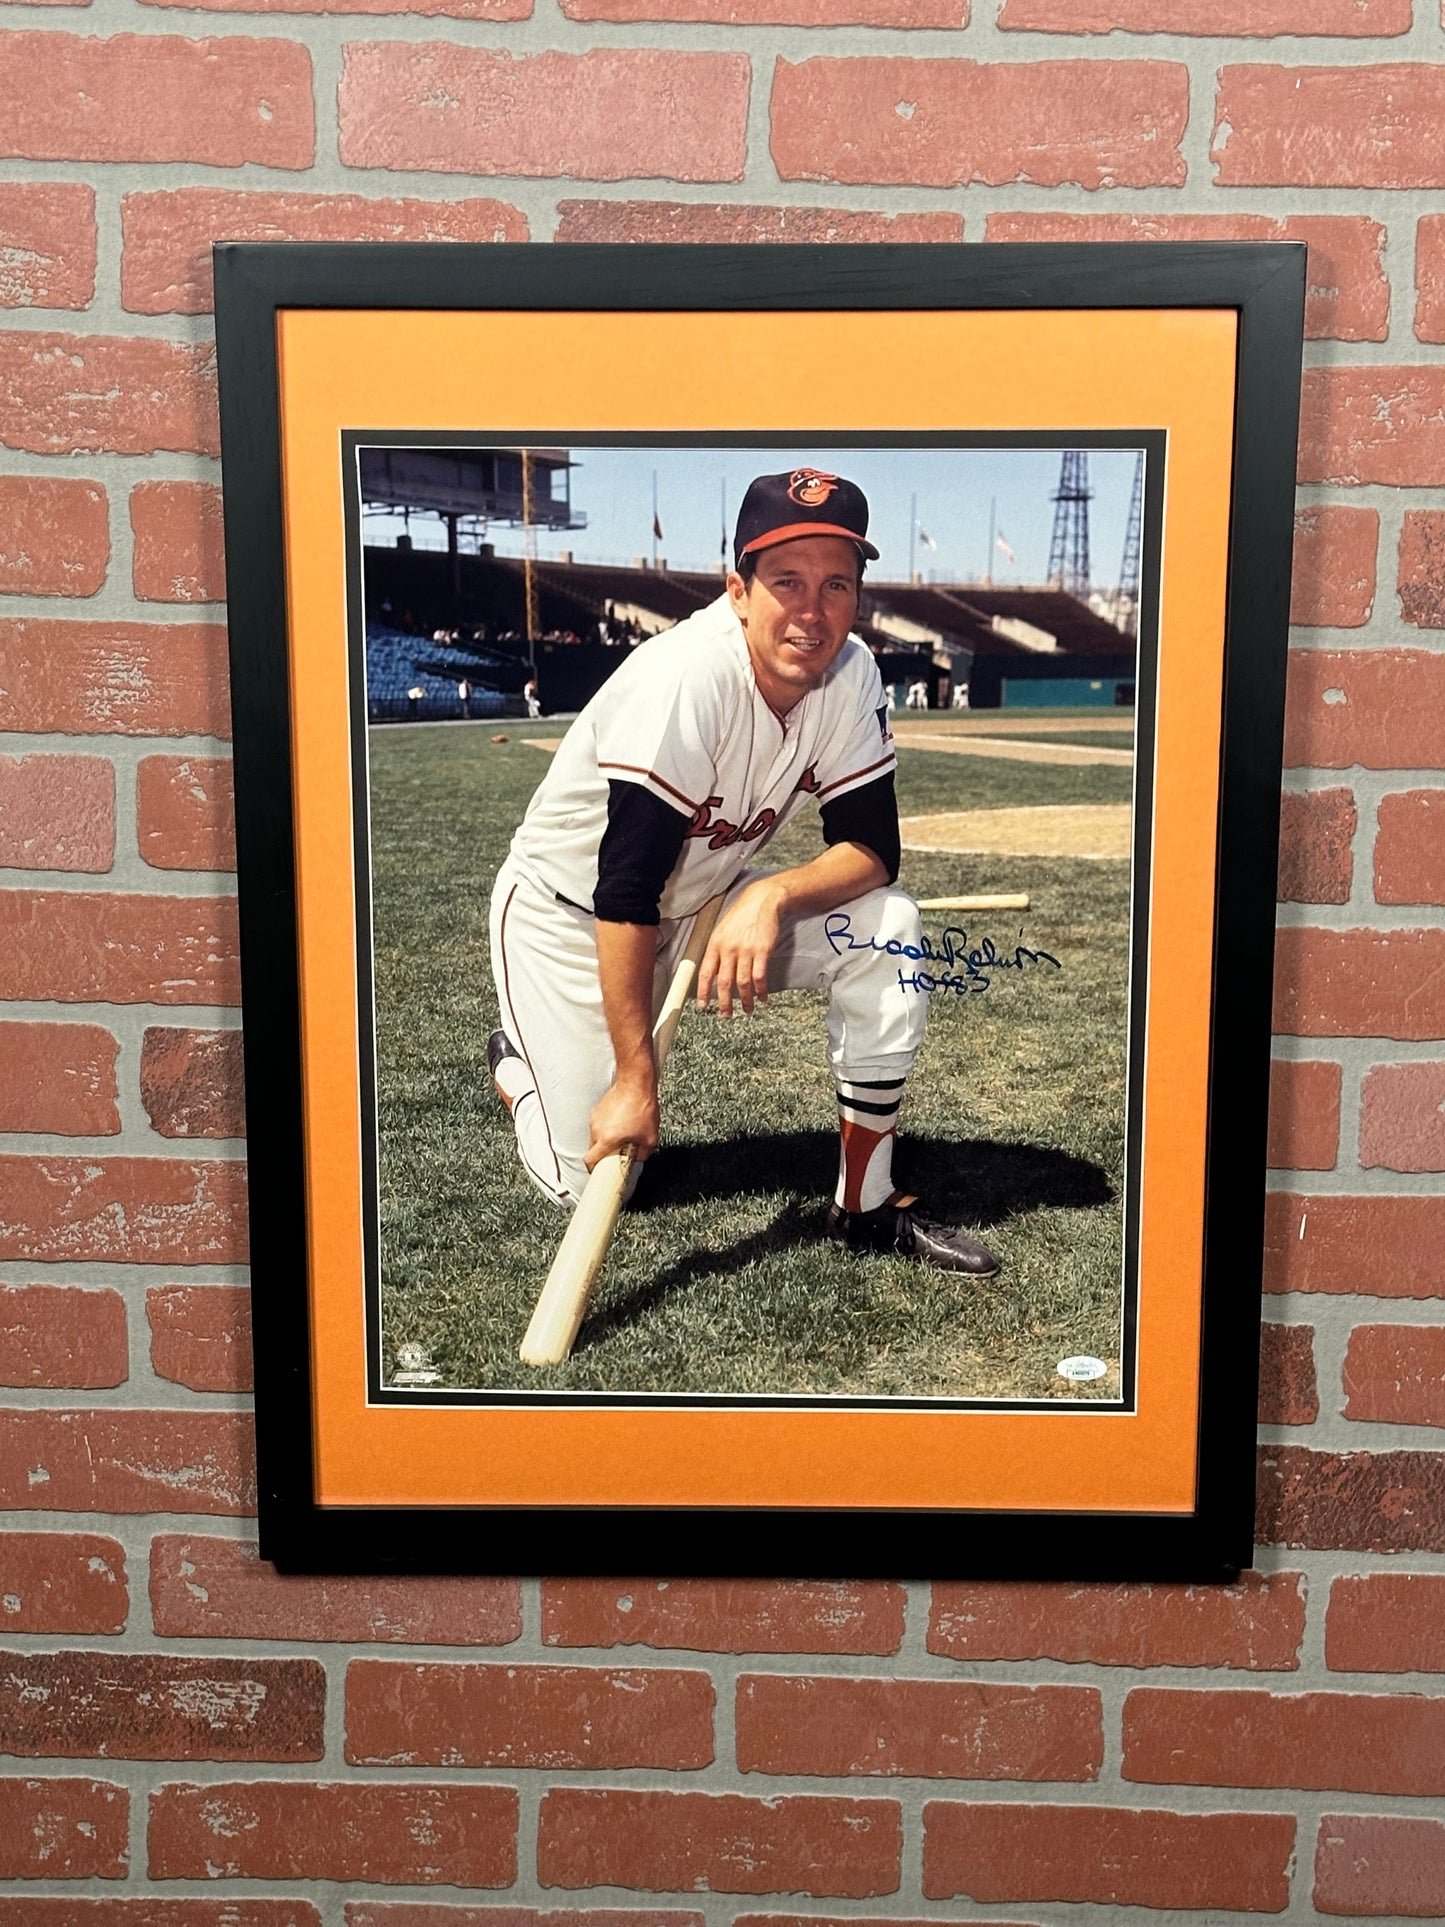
point(1263, 284)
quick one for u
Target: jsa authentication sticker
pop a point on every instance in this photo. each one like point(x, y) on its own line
point(1080, 1370)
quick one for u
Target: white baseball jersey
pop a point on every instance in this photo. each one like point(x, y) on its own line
point(684, 717)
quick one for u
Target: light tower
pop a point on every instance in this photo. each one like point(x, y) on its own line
point(1069, 544)
point(1126, 602)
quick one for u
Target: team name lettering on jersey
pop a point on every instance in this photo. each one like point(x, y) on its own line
point(721, 834)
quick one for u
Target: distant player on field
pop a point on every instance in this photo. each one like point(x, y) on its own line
point(673, 778)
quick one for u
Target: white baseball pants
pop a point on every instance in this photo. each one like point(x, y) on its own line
point(544, 960)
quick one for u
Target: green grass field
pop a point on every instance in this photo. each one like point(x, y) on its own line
point(719, 1279)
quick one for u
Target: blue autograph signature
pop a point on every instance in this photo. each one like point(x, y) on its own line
point(966, 969)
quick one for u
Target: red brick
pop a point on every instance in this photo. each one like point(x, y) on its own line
point(1333, 584)
point(1383, 1247)
point(154, 1706)
point(222, 1589)
point(1395, 1374)
point(59, 1078)
point(1360, 425)
point(1347, 297)
point(526, 1716)
point(919, 1728)
point(713, 222)
point(1353, 1501)
point(54, 533)
point(1367, 1865)
point(719, 1843)
point(75, 946)
point(1410, 847)
point(1376, 125)
point(156, 97)
point(57, 812)
point(186, 812)
point(124, 1461)
point(62, 1582)
point(725, 1615)
point(1386, 1622)
point(1355, 1742)
point(123, 1211)
point(167, 234)
point(1430, 278)
point(1121, 1856)
point(105, 394)
point(115, 678)
point(1402, 1127)
point(849, 1920)
point(427, 1913)
point(62, 1335)
point(1378, 708)
point(611, 114)
point(1304, 1115)
point(1316, 863)
point(395, 1835)
point(1360, 983)
point(1244, 18)
point(178, 553)
point(62, 1829)
point(944, 123)
point(1421, 578)
point(149, 1912)
point(47, 242)
point(201, 1336)
point(1288, 1394)
point(779, 13)
point(191, 1082)
point(486, 10)
point(1257, 1623)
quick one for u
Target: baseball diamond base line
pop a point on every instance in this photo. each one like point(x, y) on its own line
point(1098, 830)
point(960, 745)
point(996, 722)
point(1003, 750)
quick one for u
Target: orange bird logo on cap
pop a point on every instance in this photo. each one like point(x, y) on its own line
point(811, 487)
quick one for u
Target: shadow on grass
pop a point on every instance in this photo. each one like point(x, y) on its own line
point(792, 1226)
point(975, 1180)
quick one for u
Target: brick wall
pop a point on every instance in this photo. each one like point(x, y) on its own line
point(189, 1741)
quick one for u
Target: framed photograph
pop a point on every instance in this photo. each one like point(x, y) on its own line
point(786, 740)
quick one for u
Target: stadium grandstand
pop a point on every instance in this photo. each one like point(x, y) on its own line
point(463, 631)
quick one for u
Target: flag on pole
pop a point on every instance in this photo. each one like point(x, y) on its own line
point(925, 538)
point(656, 527)
point(1003, 548)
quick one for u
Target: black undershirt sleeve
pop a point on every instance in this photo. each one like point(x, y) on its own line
point(637, 854)
point(868, 815)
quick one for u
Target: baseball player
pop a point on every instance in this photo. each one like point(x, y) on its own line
point(663, 794)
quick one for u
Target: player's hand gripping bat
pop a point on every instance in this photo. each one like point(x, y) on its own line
point(580, 1256)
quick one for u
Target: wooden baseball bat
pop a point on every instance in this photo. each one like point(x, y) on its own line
point(1015, 902)
point(580, 1256)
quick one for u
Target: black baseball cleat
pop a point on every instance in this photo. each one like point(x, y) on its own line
point(499, 1045)
point(896, 1226)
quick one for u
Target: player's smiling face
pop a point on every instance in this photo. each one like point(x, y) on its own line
point(796, 613)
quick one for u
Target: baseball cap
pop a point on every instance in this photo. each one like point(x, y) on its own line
point(801, 501)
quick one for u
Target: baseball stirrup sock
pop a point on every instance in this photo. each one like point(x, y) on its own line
point(514, 1081)
point(868, 1125)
